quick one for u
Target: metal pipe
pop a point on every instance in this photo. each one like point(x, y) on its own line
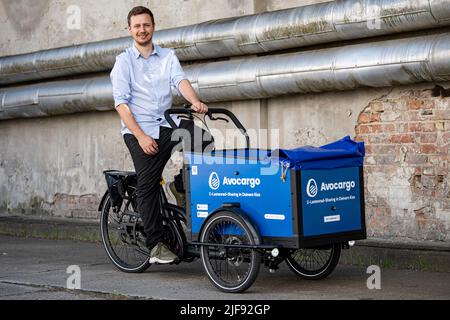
point(259, 33)
point(379, 64)
point(56, 98)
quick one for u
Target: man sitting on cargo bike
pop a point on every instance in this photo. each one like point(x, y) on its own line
point(236, 217)
point(142, 78)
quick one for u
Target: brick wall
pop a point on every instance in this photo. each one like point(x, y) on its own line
point(407, 165)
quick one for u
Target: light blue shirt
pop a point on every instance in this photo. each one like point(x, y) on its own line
point(145, 86)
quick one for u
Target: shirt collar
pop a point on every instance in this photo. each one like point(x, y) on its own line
point(137, 54)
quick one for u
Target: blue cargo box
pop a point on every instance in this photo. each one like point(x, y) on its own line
point(294, 198)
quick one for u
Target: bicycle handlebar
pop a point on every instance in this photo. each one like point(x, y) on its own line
point(211, 111)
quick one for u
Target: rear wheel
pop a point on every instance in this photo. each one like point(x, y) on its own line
point(123, 238)
point(314, 263)
point(230, 269)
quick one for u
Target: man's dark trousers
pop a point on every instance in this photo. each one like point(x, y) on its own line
point(149, 170)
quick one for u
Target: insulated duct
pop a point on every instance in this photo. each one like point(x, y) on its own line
point(379, 64)
point(265, 32)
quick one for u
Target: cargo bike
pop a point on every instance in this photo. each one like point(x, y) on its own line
point(246, 207)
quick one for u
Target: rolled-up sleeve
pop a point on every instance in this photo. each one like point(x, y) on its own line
point(121, 83)
point(176, 74)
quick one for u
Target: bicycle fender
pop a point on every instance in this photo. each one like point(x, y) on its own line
point(102, 202)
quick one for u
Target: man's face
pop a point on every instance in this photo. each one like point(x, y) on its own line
point(141, 29)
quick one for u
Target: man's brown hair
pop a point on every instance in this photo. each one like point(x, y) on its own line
point(139, 10)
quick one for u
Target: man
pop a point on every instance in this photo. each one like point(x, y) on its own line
point(142, 78)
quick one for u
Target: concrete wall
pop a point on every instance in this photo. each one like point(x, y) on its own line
point(53, 165)
point(43, 24)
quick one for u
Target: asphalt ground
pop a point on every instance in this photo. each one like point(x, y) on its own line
point(36, 269)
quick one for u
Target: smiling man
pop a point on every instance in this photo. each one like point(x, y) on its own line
point(142, 79)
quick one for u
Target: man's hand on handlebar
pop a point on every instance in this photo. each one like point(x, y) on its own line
point(199, 107)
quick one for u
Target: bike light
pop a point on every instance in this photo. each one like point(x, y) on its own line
point(351, 243)
point(275, 252)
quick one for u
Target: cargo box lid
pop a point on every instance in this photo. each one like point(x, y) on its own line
point(338, 154)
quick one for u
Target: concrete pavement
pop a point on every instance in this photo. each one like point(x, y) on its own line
point(36, 269)
point(413, 255)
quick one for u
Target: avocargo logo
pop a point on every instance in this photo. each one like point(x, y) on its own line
point(214, 181)
point(312, 188)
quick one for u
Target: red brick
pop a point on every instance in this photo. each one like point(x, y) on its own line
point(427, 137)
point(428, 127)
point(415, 127)
point(446, 137)
point(417, 104)
point(376, 128)
point(390, 128)
point(428, 149)
point(364, 118)
point(443, 149)
point(442, 171)
point(435, 160)
point(414, 104)
point(375, 117)
point(422, 127)
point(402, 138)
point(442, 114)
point(428, 104)
point(363, 129)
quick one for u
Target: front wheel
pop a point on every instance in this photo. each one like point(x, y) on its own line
point(230, 269)
point(314, 263)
